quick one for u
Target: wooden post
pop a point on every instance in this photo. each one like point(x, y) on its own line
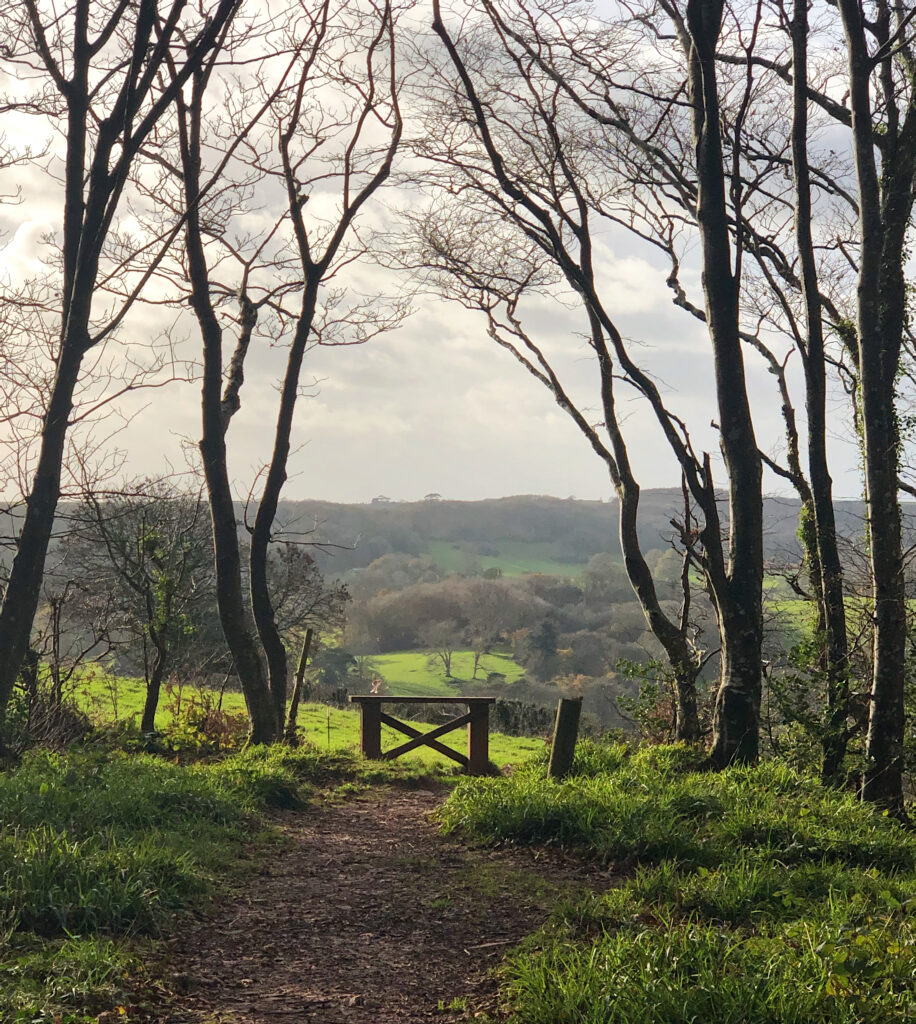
point(371, 729)
point(565, 734)
point(297, 689)
point(479, 739)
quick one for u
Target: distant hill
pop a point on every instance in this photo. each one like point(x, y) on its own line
point(523, 533)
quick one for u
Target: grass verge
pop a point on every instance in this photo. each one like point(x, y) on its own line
point(752, 896)
point(99, 850)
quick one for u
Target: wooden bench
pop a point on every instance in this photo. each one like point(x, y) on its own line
point(477, 720)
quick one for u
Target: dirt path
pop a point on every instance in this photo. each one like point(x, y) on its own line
point(367, 916)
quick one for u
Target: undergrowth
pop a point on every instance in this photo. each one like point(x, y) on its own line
point(751, 896)
point(99, 849)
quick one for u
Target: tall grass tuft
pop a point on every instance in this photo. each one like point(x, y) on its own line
point(98, 846)
point(675, 973)
point(752, 896)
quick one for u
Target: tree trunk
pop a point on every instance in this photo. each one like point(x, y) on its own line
point(261, 604)
point(153, 686)
point(739, 595)
point(266, 622)
point(20, 600)
point(883, 781)
point(885, 208)
point(233, 618)
point(686, 718)
point(829, 577)
point(266, 724)
point(83, 224)
point(682, 659)
point(737, 709)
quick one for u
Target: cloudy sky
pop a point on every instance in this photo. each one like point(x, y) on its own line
point(435, 406)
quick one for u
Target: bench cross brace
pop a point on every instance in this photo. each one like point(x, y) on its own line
point(477, 761)
point(425, 739)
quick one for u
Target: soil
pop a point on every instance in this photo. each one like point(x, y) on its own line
point(365, 914)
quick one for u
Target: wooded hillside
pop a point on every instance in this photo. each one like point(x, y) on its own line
point(572, 530)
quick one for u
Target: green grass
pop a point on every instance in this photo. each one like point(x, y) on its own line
point(108, 698)
point(754, 896)
point(101, 848)
point(111, 843)
point(802, 974)
point(516, 558)
point(415, 674)
point(330, 730)
point(64, 981)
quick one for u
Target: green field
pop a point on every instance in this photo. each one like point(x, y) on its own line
point(414, 674)
point(792, 619)
point(108, 698)
point(516, 558)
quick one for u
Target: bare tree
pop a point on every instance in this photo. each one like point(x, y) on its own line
point(877, 118)
point(542, 179)
point(333, 115)
point(824, 558)
point(650, 77)
point(441, 639)
point(780, 271)
point(882, 101)
point(109, 72)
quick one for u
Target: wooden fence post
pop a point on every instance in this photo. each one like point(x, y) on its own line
point(290, 736)
point(565, 733)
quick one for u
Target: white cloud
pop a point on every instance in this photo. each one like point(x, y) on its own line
point(21, 256)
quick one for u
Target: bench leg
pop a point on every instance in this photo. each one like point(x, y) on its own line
point(479, 739)
point(371, 730)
